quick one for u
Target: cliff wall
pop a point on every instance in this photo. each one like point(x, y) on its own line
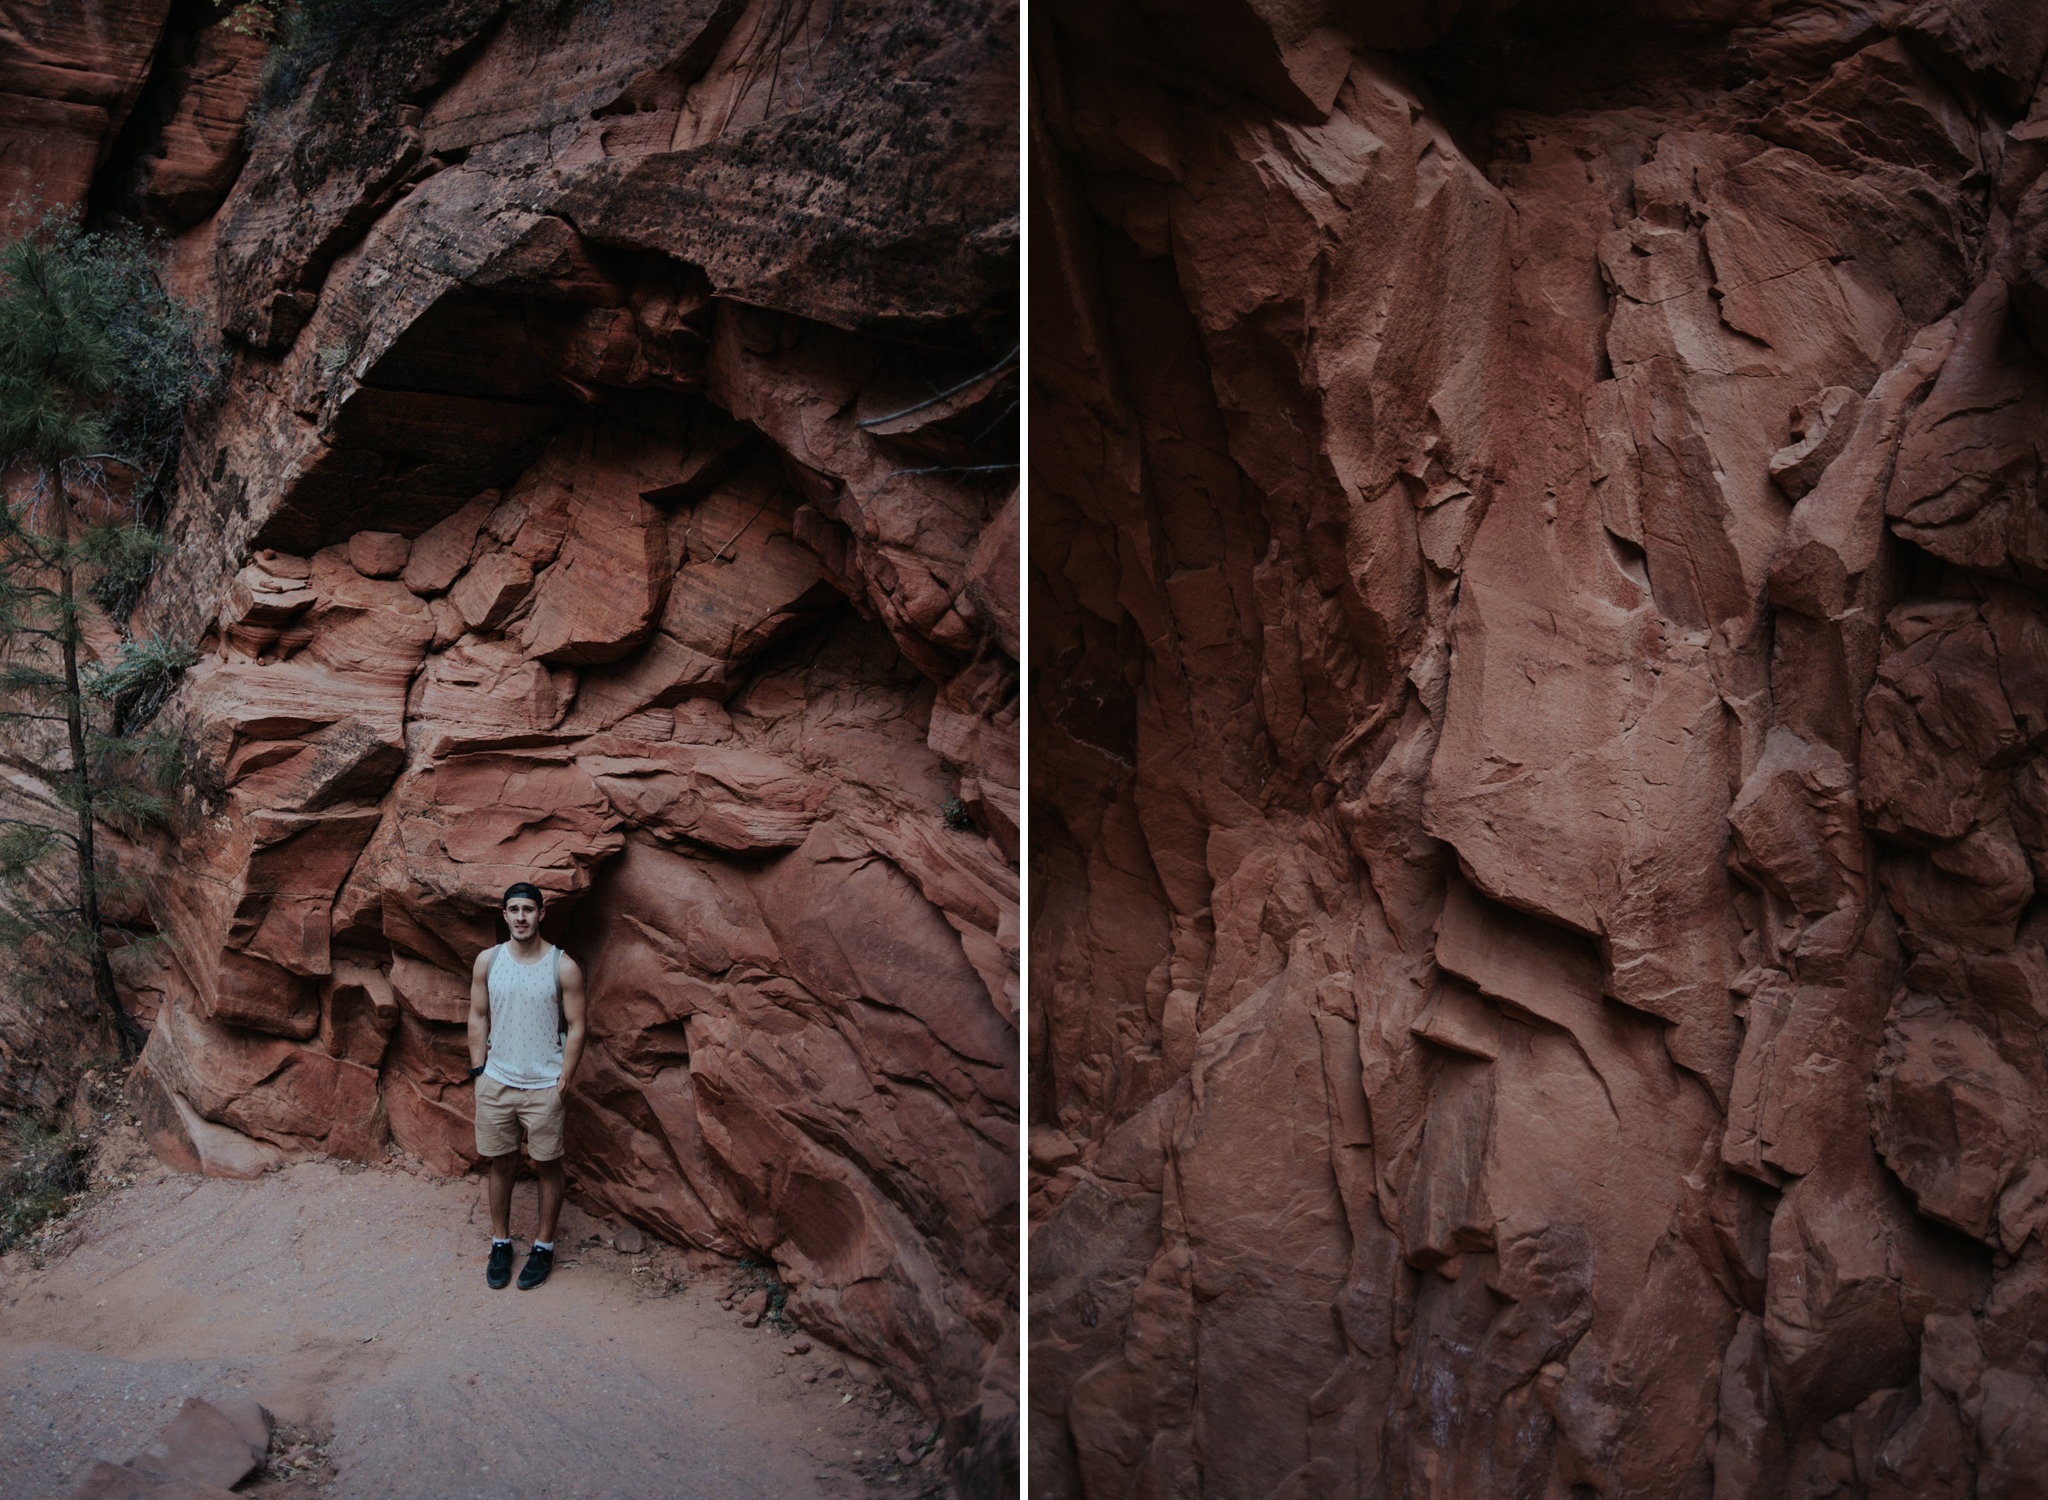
point(1540, 676)
point(611, 486)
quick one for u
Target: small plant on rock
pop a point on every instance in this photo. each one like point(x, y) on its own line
point(761, 1274)
point(304, 36)
point(249, 18)
point(45, 1167)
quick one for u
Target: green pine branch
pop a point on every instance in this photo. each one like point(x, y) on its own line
point(97, 361)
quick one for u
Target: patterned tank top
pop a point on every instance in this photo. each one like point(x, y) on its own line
point(526, 1021)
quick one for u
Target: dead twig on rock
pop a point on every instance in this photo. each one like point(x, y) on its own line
point(997, 368)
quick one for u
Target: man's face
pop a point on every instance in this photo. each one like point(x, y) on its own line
point(522, 915)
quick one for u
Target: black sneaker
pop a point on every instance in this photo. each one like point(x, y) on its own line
point(538, 1263)
point(499, 1271)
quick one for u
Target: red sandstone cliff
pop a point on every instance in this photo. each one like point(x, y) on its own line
point(611, 487)
point(1538, 538)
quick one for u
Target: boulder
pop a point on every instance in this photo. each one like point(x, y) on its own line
point(602, 593)
point(486, 595)
point(1952, 1119)
point(205, 1444)
point(110, 1481)
point(182, 1139)
point(207, 1447)
point(438, 555)
point(378, 554)
point(1971, 460)
point(478, 693)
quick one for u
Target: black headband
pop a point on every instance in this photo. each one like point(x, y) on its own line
point(531, 892)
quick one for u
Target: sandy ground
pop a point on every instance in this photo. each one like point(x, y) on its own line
point(352, 1303)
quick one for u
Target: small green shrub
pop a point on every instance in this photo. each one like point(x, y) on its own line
point(762, 1274)
point(46, 1166)
point(249, 18)
point(304, 36)
point(137, 682)
point(100, 357)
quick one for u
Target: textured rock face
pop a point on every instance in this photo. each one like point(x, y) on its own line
point(613, 488)
point(70, 71)
point(1538, 794)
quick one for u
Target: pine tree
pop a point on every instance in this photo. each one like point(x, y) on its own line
point(96, 362)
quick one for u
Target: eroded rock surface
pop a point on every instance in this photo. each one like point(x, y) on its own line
point(70, 73)
point(611, 487)
point(1538, 781)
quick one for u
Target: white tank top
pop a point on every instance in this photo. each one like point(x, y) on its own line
point(525, 1049)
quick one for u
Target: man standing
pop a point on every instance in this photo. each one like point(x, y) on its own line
point(525, 1036)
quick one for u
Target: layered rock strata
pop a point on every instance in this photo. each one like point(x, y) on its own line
point(1540, 682)
point(71, 72)
point(612, 487)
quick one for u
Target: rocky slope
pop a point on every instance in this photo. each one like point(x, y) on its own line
point(610, 487)
point(1541, 677)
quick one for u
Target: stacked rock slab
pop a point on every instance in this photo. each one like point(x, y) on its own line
point(1538, 785)
point(611, 486)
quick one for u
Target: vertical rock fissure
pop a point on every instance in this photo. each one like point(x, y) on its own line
point(1726, 324)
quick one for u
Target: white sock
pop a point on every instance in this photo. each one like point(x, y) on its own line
point(495, 1242)
point(539, 1246)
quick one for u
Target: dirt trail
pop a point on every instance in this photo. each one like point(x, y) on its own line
point(352, 1301)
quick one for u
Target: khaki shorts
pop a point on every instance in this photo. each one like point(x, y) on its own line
point(501, 1110)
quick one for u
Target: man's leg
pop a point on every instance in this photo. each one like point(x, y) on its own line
point(544, 1141)
point(552, 1181)
point(498, 1177)
point(497, 1142)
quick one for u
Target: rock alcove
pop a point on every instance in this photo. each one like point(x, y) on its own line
point(611, 486)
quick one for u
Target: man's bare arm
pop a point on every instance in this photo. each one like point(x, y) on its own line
point(480, 1009)
point(572, 1012)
